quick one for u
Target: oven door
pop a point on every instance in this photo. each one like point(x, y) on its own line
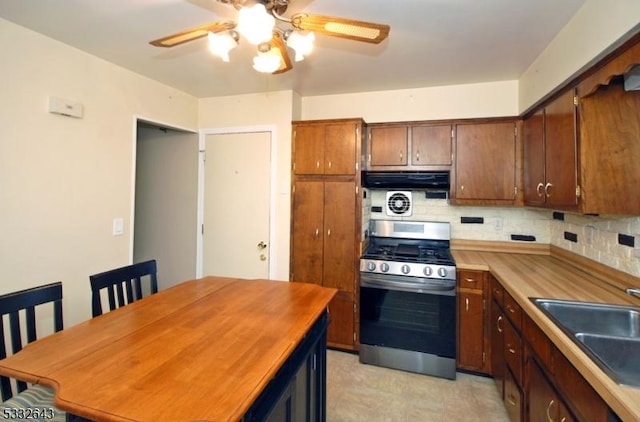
point(407, 318)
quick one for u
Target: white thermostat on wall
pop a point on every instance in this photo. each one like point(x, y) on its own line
point(65, 107)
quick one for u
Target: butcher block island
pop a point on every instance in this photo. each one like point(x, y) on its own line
point(211, 349)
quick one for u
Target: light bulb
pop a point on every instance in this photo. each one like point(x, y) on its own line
point(267, 62)
point(255, 24)
point(221, 44)
point(301, 44)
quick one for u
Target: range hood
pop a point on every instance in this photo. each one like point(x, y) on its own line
point(415, 180)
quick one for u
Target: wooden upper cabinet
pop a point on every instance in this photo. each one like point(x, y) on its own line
point(412, 147)
point(308, 149)
point(610, 151)
point(431, 145)
point(325, 149)
point(533, 144)
point(560, 188)
point(486, 163)
point(388, 146)
point(550, 160)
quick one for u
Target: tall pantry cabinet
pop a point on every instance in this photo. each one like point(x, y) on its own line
point(326, 235)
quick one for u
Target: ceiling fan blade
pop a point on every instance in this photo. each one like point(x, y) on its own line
point(278, 44)
point(192, 34)
point(339, 27)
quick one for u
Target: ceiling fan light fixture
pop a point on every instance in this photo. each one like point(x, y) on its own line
point(267, 62)
point(301, 44)
point(255, 24)
point(221, 44)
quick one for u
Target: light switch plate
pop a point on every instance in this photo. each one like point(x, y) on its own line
point(118, 226)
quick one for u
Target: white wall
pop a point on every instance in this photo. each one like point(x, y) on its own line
point(595, 29)
point(271, 108)
point(63, 180)
point(444, 102)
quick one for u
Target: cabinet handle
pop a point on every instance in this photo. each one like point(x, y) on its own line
point(317, 164)
point(511, 349)
point(548, 410)
point(401, 155)
point(498, 324)
point(546, 189)
point(329, 233)
point(510, 309)
point(317, 233)
point(329, 163)
point(469, 280)
point(539, 189)
point(466, 303)
point(418, 155)
point(511, 400)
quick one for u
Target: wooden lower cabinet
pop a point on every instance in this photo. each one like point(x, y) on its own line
point(342, 324)
point(473, 333)
point(535, 380)
point(544, 404)
point(324, 248)
point(512, 397)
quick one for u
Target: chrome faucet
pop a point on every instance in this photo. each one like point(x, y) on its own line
point(633, 291)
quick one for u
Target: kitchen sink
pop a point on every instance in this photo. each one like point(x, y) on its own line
point(608, 334)
point(594, 318)
point(619, 354)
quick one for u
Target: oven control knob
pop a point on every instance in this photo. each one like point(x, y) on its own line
point(442, 272)
point(405, 269)
point(384, 267)
point(428, 271)
point(371, 266)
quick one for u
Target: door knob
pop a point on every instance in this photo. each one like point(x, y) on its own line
point(262, 245)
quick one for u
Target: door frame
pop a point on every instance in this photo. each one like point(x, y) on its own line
point(236, 130)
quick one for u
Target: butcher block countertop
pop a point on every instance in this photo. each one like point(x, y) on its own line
point(548, 272)
point(202, 350)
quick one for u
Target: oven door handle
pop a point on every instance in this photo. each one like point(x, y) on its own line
point(377, 283)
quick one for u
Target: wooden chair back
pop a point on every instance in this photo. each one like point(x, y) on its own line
point(20, 307)
point(123, 285)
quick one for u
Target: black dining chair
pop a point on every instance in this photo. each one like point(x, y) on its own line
point(19, 309)
point(123, 285)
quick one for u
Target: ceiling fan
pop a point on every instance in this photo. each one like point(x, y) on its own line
point(257, 23)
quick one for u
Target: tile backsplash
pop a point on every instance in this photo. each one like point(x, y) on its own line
point(610, 240)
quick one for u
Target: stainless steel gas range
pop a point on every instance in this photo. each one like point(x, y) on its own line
point(408, 298)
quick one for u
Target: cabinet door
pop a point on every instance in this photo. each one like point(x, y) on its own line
point(339, 235)
point(497, 347)
point(340, 149)
point(308, 149)
point(541, 398)
point(486, 161)
point(513, 401)
point(534, 178)
point(341, 330)
point(431, 145)
point(560, 152)
point(307, 232)
point(388, 146)
point(471, 351)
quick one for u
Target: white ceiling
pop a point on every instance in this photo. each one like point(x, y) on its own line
point(431, 43)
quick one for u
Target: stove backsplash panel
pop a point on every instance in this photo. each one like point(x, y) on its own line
point(597, 237)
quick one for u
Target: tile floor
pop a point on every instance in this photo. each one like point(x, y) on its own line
point(357, 392)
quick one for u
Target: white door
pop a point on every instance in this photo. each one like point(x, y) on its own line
point(237, 186)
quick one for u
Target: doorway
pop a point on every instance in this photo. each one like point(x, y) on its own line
point(235, 202)
point(165, 201)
